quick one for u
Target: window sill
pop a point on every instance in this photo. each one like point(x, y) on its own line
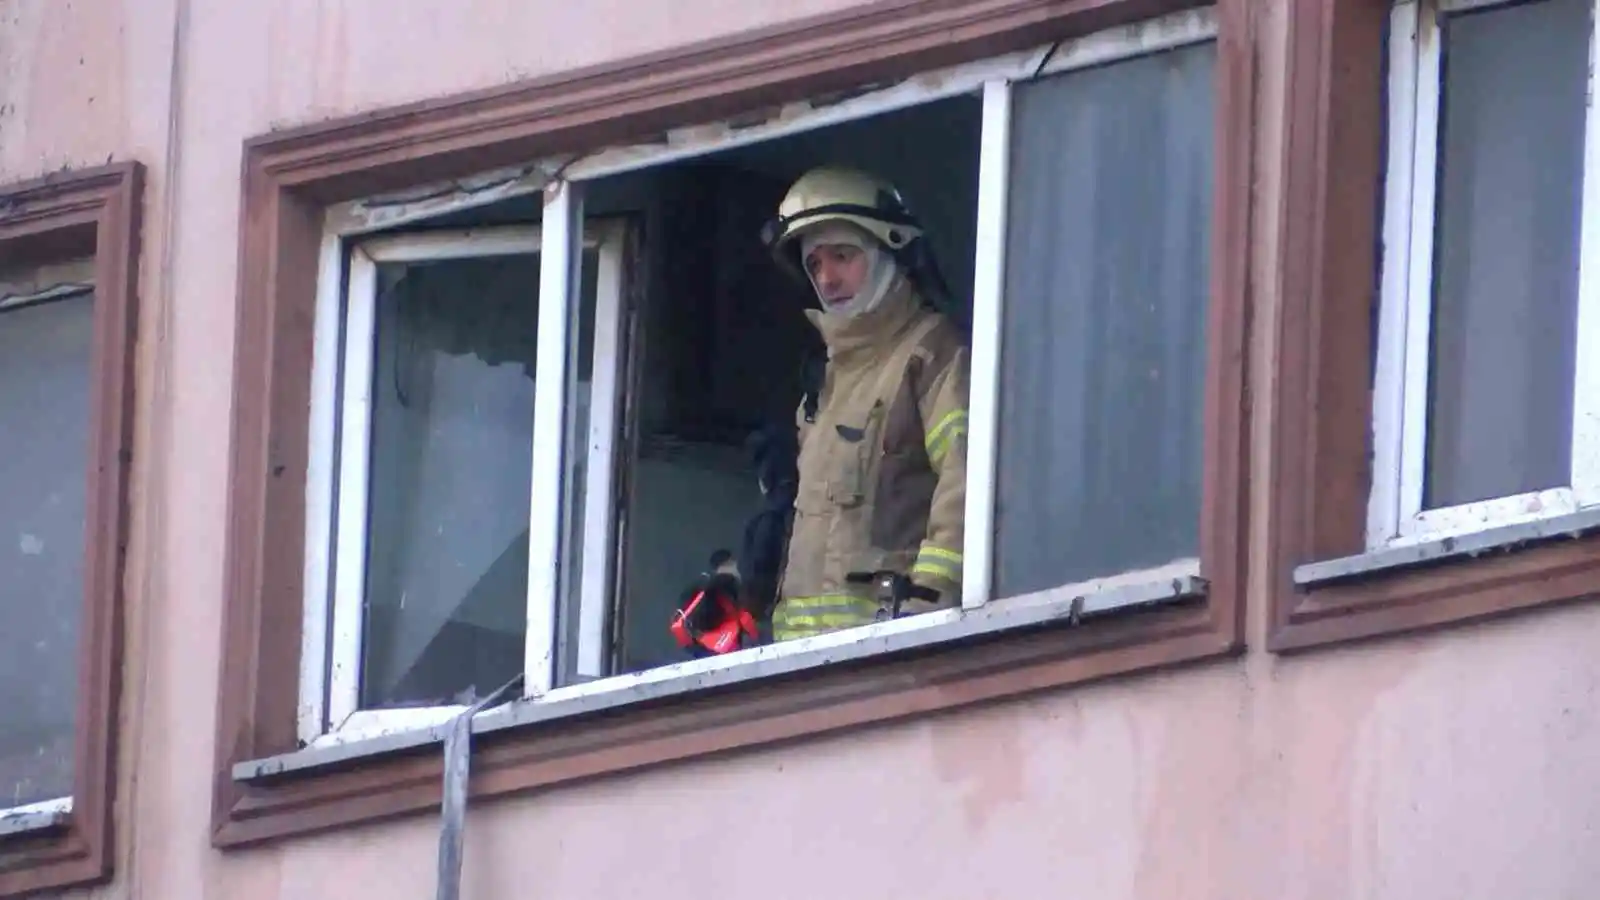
point(42, 818)
point(1439, 583)
point(881, 673)
point(931, 630)
point(1500, 539)
point(45, 847)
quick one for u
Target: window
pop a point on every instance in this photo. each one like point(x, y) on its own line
point(432, 506)
point(1484, 413)
point(65, 331)
point(530, 389)
point(1103, 365)
point(499, 516)
point(46, 334)
point(1430, 436)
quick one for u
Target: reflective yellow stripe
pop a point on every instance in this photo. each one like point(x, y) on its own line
point(938, 563)
point(936, 570)
point(944, 433)
point(798, 617)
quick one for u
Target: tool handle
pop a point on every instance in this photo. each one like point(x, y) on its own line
point(901, 588)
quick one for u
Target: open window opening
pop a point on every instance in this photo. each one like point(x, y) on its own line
point(1486, 389)
point(723, 347)
point(47, 316)
point(532, 413)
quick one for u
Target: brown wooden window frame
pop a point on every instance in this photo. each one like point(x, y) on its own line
point(76, 214)
point(291, 177)
point(1321, 389)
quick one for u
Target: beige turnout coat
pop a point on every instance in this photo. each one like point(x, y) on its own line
point(882, 467)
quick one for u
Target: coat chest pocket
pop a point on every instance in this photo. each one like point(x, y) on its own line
point(853, 457)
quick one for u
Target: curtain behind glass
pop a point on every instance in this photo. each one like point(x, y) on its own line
point(46, 354)
point(1506, 254)
point(1104, 338)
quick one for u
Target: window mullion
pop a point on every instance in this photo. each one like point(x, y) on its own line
point(558, 264)
point(355, 439)
point(988, 293)
point(320, 482)
point(1383, 511)
point(599, 523)
point(1586, 387)
point(1419, 290)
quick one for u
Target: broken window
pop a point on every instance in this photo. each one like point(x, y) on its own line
point(46, 347)
point(533, 400)
point(435, 460)
point(1483, 412)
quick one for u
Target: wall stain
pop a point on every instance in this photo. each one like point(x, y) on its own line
point(979, 755)
point(1253, 784)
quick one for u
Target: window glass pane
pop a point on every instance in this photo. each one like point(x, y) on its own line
point(45, 360)
point(1506, 265)
point(452, 421)
point(1103, 356)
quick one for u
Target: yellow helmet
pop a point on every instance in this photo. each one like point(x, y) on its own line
point(832, 194)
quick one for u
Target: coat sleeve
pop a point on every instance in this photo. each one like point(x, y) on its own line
point(943, 405)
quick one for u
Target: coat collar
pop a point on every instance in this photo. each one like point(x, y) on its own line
point(873, 329)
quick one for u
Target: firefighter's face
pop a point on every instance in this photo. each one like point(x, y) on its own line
point(839, 271)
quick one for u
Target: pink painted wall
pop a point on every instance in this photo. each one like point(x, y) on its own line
point(1458, 765)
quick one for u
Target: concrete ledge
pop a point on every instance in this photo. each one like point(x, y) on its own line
point(1500, 539)
point(1062, 608)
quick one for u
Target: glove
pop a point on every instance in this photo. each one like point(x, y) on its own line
point(938, 593)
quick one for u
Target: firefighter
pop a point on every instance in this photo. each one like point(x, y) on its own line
point(883, 443)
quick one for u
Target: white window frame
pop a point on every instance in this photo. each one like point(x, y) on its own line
point(563, 182)
point(1395, 516)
